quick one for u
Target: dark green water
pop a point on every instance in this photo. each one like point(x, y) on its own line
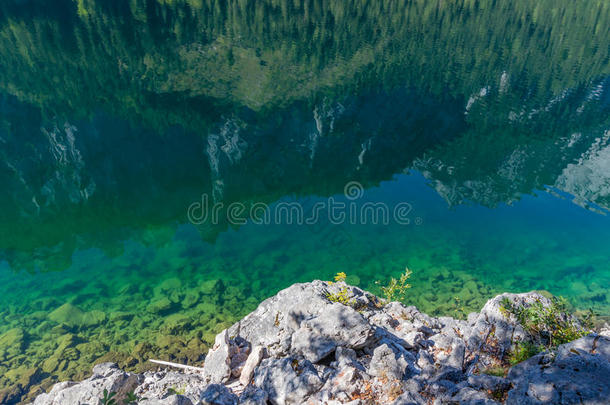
point(467, 140)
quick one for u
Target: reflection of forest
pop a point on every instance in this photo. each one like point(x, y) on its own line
point(484, 98)
point(124, 55)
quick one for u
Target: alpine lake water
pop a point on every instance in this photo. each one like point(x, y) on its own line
point(167, 165)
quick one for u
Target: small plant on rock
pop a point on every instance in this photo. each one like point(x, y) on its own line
point(343, 296)
point(108, 398)
point(551, 325)
point(176, 391)
point(397, 288)
point(130, 399)
point(341, 276)
point(523, 351)
point(496, 371)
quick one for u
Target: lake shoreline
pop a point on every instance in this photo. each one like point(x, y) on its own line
point(323, 342)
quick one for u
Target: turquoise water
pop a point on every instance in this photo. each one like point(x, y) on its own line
point(468, 142)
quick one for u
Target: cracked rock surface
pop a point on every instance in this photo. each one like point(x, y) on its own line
point(298, 347)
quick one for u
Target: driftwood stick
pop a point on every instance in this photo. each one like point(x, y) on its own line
point(182, 366)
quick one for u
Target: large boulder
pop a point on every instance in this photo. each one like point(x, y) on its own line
point(217, 365)
point(272, 324)
point(337, 325)
point(160, 386)
point(106, 376)
point(389, 362)
point(578, 373)
point(287, 381)
point(306, 308)
point(492, 333)
point(217, 394)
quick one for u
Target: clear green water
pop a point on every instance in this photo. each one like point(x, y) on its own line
point(489, 122)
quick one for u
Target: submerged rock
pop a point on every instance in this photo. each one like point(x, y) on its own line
point(159, 305)
point(298, 347)
point(73, 316)
point(11, 342)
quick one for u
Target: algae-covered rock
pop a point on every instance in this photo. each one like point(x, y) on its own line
point(93, 318)
point(168, 285)
point(159, 305)
point(210, 287)
point(67, 314)
point(176, 323)
point(12, 342)
point(51, 364)
point(120, 316)
point(73, 316)
point(190, 298)
point(11, 395)
point(67, 340)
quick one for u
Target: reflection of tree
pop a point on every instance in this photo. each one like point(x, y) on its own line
point(126, 55)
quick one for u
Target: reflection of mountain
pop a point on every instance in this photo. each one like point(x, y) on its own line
point(66, 180)
point(588, 180)
point(510, 150)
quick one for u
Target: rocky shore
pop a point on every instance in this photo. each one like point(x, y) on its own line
point(303, 347)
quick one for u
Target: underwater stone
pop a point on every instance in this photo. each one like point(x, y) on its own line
point(93, 318)
point(159, 305)
point(11, 395)
point(51, 364)
point(210, 287)
point(73, 316)
point(168, 285)
point(67, 314)
point(176, 323)
point(190, 298)
point(12, 341)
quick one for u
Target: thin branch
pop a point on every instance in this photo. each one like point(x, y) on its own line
point(182, 366)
